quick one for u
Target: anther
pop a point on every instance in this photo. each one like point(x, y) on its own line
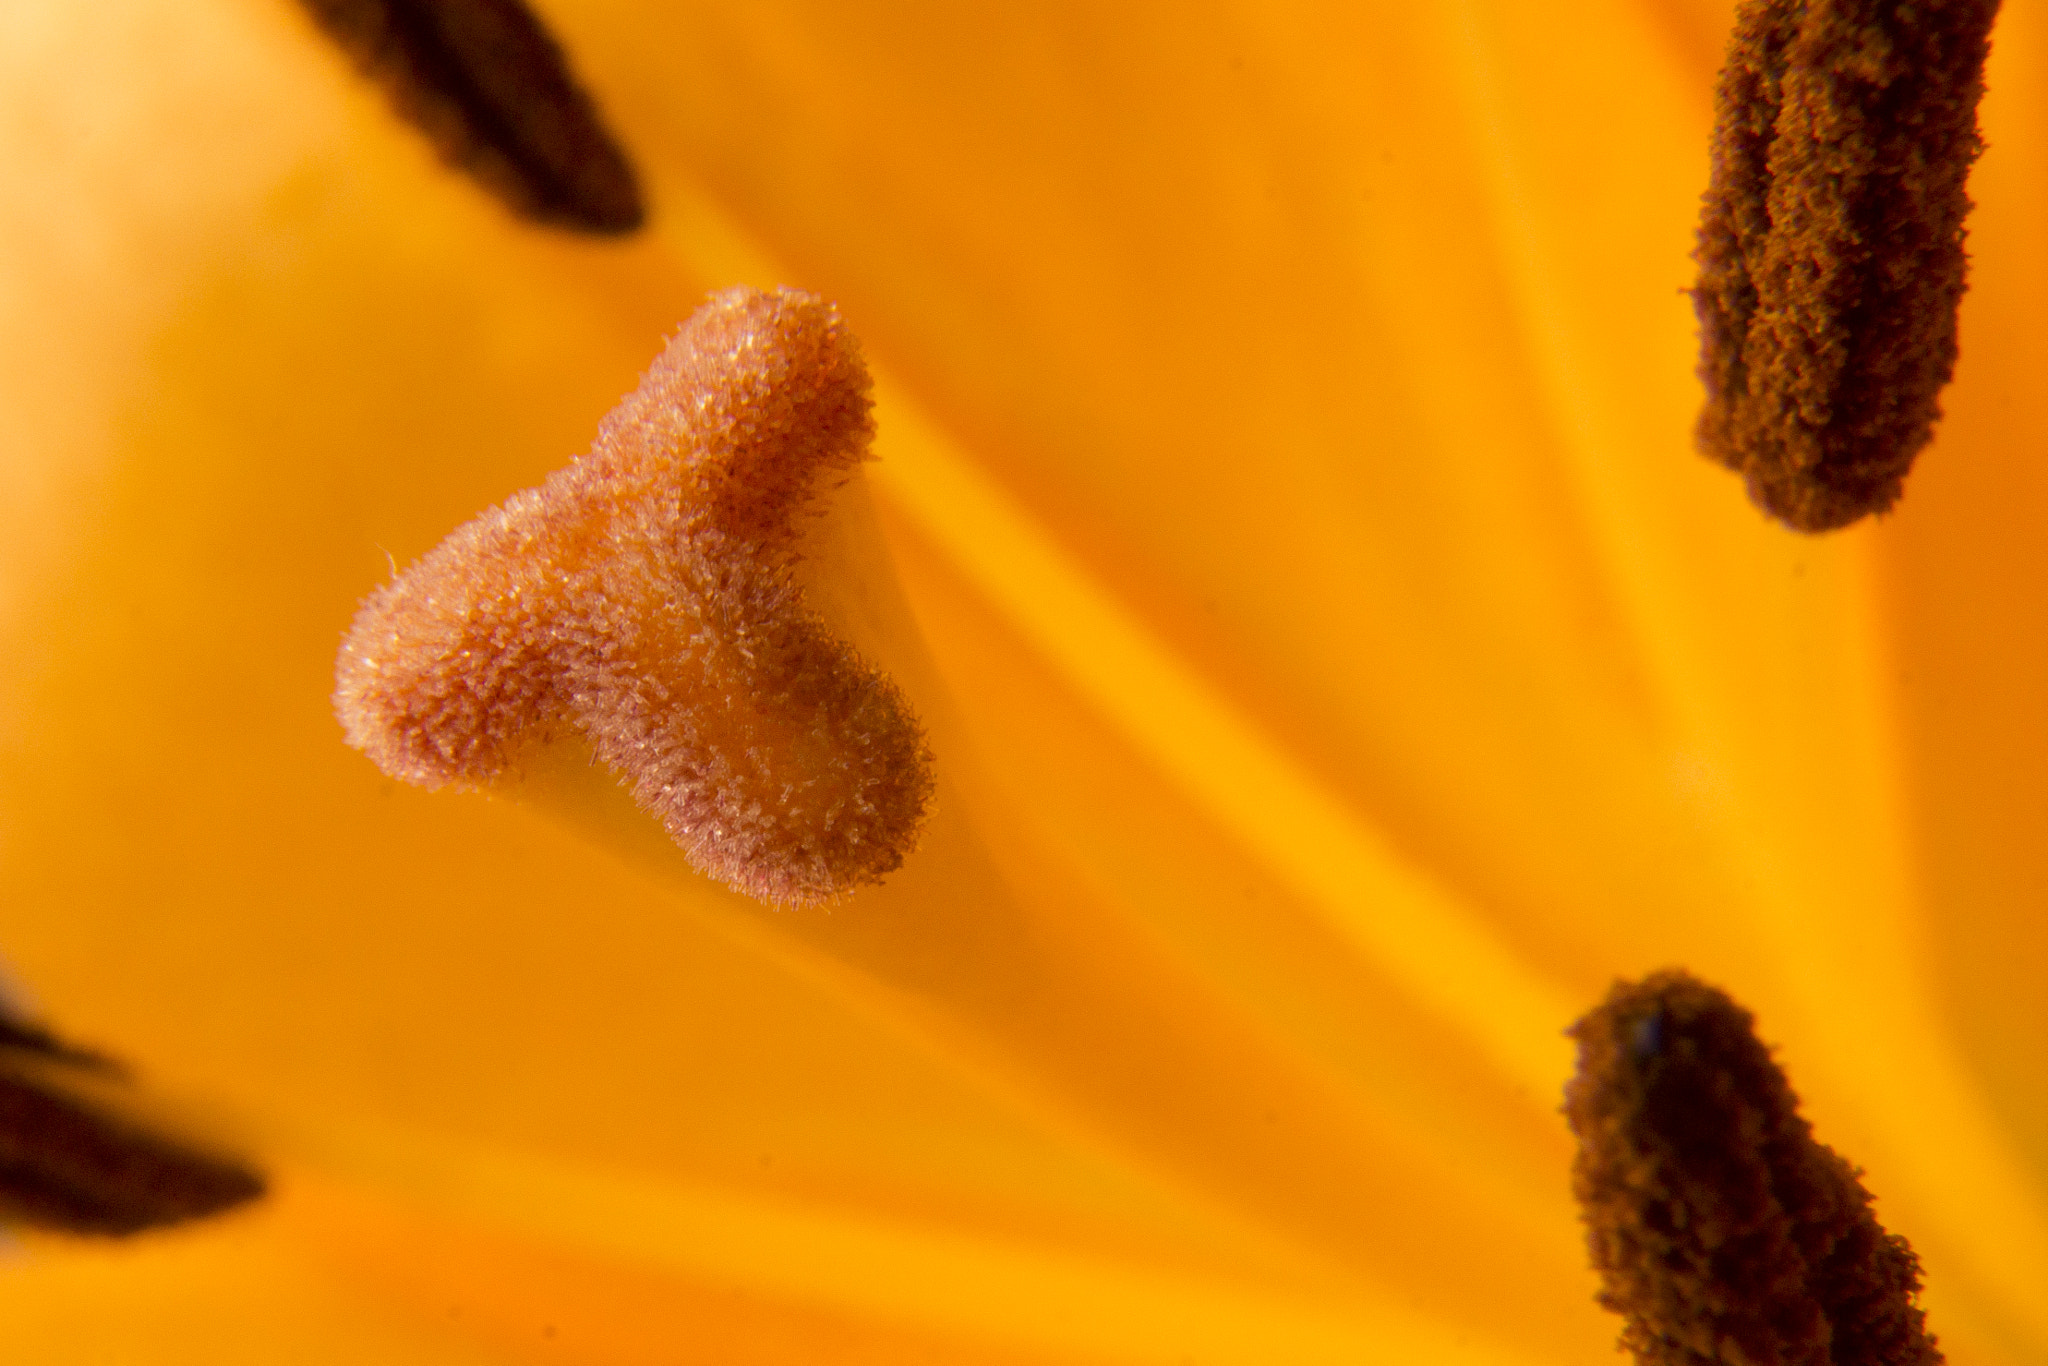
point(1724, 1234)
point(646, 596)
point(489, 87)
point(1831, 245)
point(72, 1162)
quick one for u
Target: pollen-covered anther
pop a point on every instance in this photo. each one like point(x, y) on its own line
point(490, 87)
point(78, 1156)
point(1724, 1234)
point(647, 596)
point(1831, 245)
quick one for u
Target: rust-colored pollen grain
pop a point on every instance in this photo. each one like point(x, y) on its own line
point(1831, 245)
point(646, 596)
point(1723, 1233)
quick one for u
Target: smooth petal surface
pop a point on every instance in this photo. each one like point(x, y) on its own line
point(1339, 663)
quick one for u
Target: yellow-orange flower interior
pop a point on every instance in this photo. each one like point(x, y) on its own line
point(1339, 663)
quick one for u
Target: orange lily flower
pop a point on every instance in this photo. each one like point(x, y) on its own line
point(1340, 666)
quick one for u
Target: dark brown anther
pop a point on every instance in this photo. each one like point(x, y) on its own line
point(485, 81)
point(1723, 1233)
point(1831, 245)
point(70, 1163)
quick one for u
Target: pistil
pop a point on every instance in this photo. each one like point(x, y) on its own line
point(646, 599)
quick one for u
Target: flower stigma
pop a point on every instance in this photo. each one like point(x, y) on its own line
point(647, 597)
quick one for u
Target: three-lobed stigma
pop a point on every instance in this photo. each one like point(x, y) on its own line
point(646, 596)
